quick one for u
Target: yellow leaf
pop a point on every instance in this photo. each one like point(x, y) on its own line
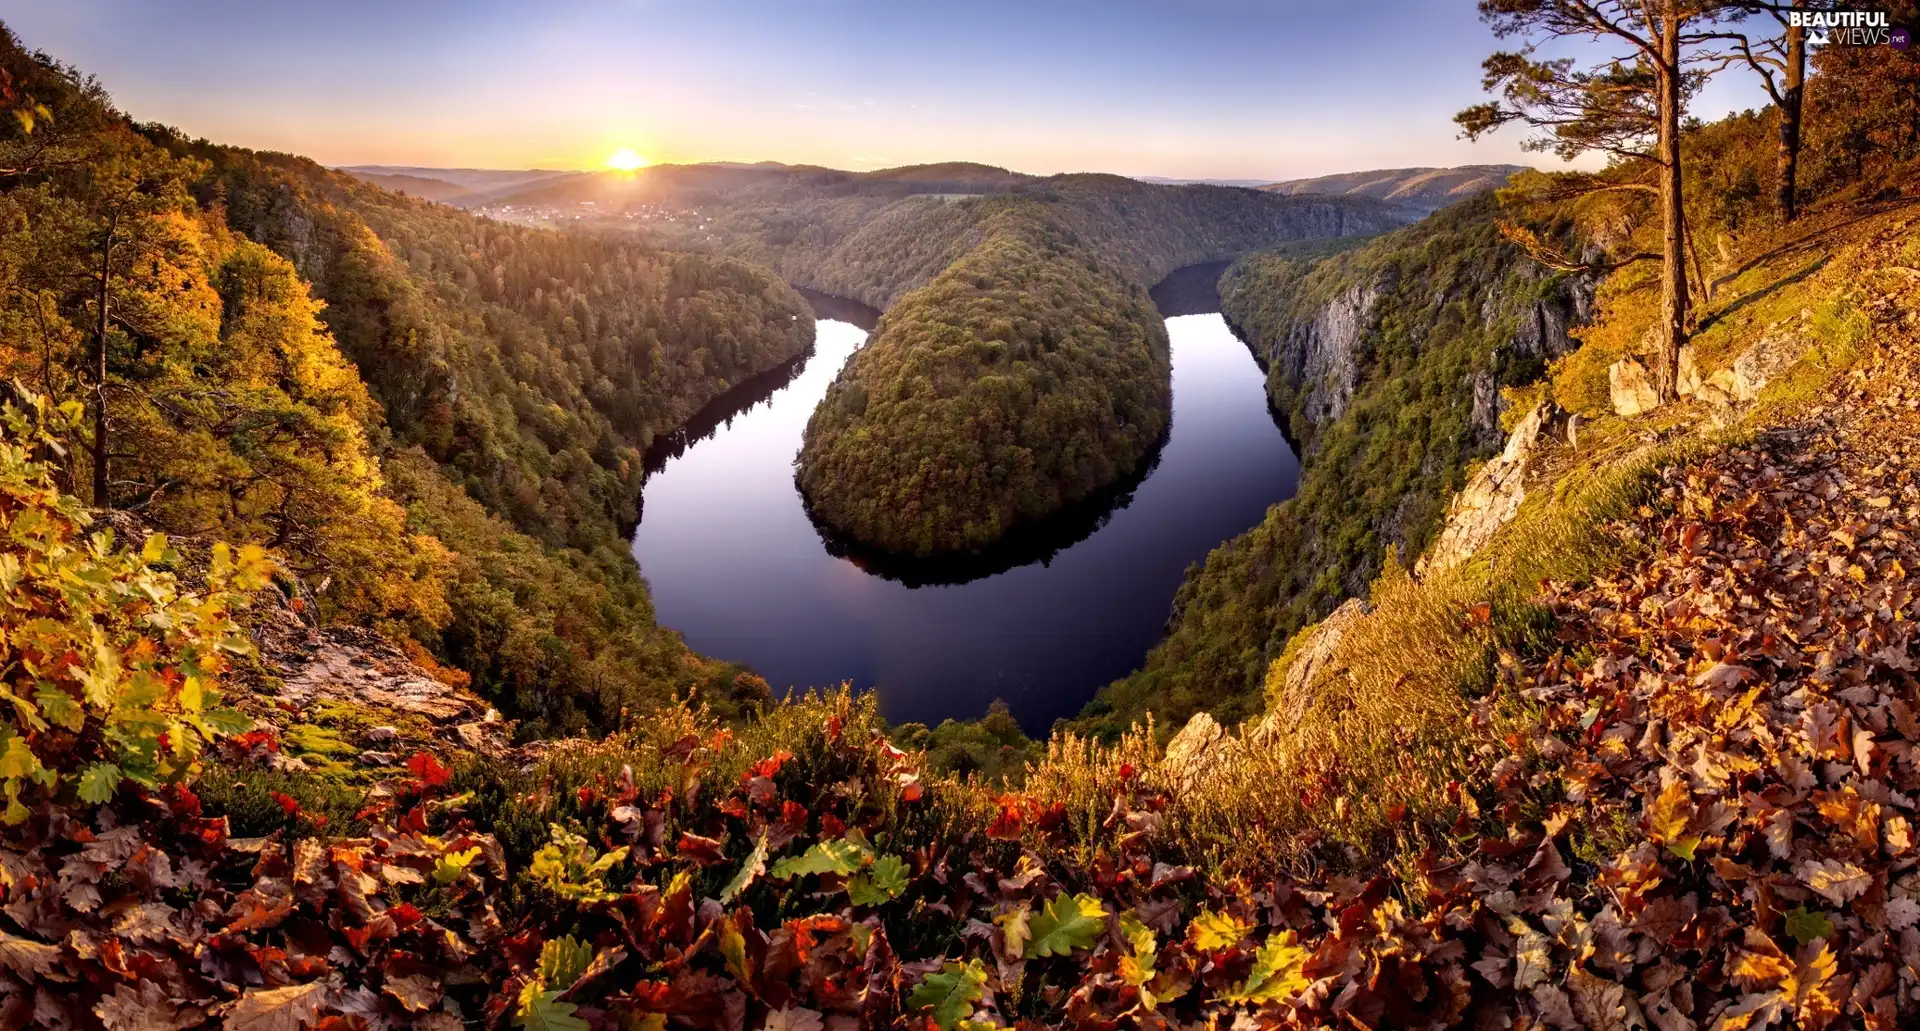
point(1212, 931)
point(1279, 971)
point(1669, 815)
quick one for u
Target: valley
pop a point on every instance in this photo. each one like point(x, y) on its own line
point(734, 562)
point(591, 594)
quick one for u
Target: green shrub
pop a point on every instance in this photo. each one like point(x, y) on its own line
point(108, 661)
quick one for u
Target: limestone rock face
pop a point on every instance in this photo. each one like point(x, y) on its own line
point(1490, 499)
point(1689, 383)
point(1487, 407)
point(1764, 362)
point(1715, 387)
point(1323, 356)
point(1313, 660)
point(1632, 388)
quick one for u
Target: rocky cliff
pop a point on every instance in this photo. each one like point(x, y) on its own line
point(1387, 364)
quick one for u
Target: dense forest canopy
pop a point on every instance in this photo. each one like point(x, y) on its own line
point(1023, 378)
point(439, 418)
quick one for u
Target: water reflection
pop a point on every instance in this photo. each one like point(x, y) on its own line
point(1041, 621)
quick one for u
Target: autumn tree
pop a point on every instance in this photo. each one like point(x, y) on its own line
point(1863, 109)
point(137, 254)
point(1629, 107)
point(1780, 60)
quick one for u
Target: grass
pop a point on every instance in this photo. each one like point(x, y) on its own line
point(1420, 701)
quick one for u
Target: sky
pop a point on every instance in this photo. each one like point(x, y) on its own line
point(1235, 89)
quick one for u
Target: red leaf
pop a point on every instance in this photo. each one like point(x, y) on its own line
point(704, 851)
point(428, 770)
point(771, 765)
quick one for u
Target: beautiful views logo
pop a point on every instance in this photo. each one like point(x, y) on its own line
point(1851, 28)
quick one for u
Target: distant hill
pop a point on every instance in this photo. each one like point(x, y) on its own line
point(418, 186)
point(1426, 189)
point(478, 179)
point(951, 172)
point(462, 187)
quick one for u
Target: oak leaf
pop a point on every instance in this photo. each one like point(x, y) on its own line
point(1837, 881)
point(277, 1009)
point(951, 993)
point(1066, 923)
point(1213, 931)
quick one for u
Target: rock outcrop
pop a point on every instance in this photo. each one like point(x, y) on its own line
point(401, 703)
point(1631, 387)
point(1764, 362)
point(1321, 356)
point(1200, 747)
point(1310, 659)
point(1490, 499)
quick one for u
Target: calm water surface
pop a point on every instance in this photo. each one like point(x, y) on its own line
point(736, 565)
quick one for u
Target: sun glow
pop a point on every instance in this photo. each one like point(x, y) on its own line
point(625, 160)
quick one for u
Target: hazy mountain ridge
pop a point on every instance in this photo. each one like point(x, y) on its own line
point(423, 187)
point(1425, 189)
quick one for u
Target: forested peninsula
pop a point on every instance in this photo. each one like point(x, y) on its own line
point(1023, 378)
point(1032, 371)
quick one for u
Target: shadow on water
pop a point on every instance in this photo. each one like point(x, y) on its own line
point(830, 306)
point(720, 412)
point(1027, 543)
point(755, 390)
point(1193, 290)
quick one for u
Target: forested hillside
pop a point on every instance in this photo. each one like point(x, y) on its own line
point(1392, 363)
point(1023, 378)
point(1387, 362)
point(438, 417)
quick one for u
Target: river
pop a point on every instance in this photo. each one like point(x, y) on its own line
point(736, 565)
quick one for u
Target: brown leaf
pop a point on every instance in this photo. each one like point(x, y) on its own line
point(1836, 881)
point(146, 1008)
point(277, 1009)
point(26, 957)
point(414, 992)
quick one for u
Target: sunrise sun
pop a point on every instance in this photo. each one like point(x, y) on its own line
point(625, 160)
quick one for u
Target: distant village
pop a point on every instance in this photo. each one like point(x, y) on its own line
point(684, 221)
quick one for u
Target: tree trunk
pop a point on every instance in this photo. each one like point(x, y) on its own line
point(1673, 264)
point(1792, 89)
point(99, 449)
